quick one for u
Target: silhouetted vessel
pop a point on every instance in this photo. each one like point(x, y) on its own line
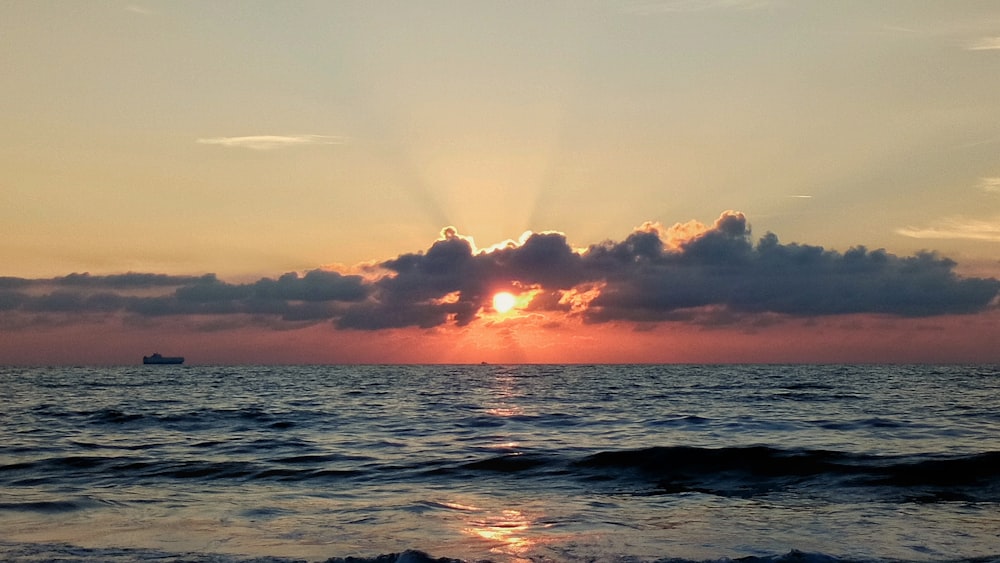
point(158, 359)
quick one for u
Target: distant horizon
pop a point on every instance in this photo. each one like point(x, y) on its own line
point(688, 293)
point(187, 364)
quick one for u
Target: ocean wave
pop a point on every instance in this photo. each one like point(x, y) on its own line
point(697, 469)
point(755, 470)
point(746, 471)
point(731, 472)
point(14, 552)
point(50, 506)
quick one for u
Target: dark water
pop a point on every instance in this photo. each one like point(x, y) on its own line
point(500, 463)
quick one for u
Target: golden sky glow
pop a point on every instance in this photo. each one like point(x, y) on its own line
point(249, 141)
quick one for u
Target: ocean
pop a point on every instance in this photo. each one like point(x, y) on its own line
point(541, 463)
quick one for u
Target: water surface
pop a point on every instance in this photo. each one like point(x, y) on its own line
point(500, 463)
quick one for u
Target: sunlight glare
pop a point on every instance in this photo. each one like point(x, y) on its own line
point(504, 301)
point(507, 531)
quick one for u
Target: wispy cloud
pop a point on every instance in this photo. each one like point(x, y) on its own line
point(991, 185)
point(956, 228)
point(901, 29)
point(271, 142)
point(680, 6)
point(136, 9)
point(984, 44)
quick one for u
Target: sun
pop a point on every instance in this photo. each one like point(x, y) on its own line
point(504, 301)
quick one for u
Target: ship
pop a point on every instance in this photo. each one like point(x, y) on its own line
point(158, 359)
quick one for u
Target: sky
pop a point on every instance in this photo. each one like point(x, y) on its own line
point(654, 181)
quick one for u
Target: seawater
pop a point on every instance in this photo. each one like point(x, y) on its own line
point(500, 463)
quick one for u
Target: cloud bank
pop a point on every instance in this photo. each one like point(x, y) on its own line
point(688, 272)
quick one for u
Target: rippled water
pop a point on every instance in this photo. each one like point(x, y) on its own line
point(505, 463)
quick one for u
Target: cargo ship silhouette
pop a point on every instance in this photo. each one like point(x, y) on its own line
point(158, 359)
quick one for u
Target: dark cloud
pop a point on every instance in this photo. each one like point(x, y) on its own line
point(721, 267)
point(291, 297)
point(545, 259)
point(128, 280)
point(11, 300)
point(453, 281)
point(690, 272)
point(648, 278)
point(376, 316)
point(8, 283)
point(317, 285)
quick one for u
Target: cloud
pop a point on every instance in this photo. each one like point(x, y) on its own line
point(271, 142)
point(690, 272)
point(661, 274)
point(984, 44)
point(990, 185)
point(901, 29)
point(142, 10)
point(957, 228)
point(313, 296)
point(131, 279)
point(681, 6)
point(722, 268)
point(961, 227)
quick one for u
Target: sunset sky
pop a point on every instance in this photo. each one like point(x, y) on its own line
point(654, 181)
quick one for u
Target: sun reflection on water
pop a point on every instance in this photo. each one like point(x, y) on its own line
point(509, 534)
point(508, 445)
point(505, 411)
point(505, 393)
point(508, 531)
